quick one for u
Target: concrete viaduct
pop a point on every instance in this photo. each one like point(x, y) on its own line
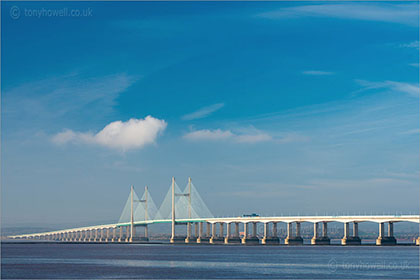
point(227, 230)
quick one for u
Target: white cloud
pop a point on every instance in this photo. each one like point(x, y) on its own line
point(218, 135)
point(407, 88)
point(317, 73)
point(203, 112)
point(397, 13)
point(132, 134)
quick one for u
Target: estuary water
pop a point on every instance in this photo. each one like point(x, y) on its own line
point(134, 261)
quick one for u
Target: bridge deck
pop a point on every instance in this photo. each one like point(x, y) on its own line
point(278, 219)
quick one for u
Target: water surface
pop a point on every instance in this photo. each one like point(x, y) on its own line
point(89, 261)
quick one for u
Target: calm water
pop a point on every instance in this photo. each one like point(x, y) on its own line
point(88, 261)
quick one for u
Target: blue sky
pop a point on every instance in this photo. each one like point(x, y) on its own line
point(270, 107)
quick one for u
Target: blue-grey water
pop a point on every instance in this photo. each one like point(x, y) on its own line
point(89, 261)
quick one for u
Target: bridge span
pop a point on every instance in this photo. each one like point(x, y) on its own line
point(219, 230)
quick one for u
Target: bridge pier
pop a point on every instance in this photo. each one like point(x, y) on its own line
point(351, 240)
point(386, 240)
point(232, 238)
point(107, 235)
point(293, 240)
point(250, 239)
point(418, 241)
point(127, 234)
point(85, 235)
point(273, 239)
point(320, 240)
point(190, 237)
point(216, 239)
point(201, 237)
point(101, 235)
point(114, 235)
point(120, 235)
point(96, 239)
point(80, 236)
point(146, 234)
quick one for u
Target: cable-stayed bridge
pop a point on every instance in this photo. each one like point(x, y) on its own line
point(187, 208)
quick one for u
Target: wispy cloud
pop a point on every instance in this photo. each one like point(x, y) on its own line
point(132, 134)
point(317, 73)
point(203, 112)
point(400, 87)
point(220, 135)
point(64, 97)
point(414, 45)
point(414, 65)
point(397, 13)
point(411, 131)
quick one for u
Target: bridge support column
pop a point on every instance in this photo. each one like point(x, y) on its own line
point(200, 232)
point(267, 239)
point(213, 232)
point(275, 230)
point(133, 235)
point(418, 241)
point(205, 238)
point(127, 234)
point(146, 232)
point(351, 240)
point(80, 236)
point(217, 239)
point(201, 237)
point(174, 238)
point(386, 240)
point(320, 240)
point(120, 238)
point(197, 229)
point(107, 235)
point(253, 239)
point(243, 241)
point(232, 238)
point(86, 235)
point(293, 240)
point(190, 237)
point(114, 234)
point(236, 229)
point(101, 235)
point(97, 235)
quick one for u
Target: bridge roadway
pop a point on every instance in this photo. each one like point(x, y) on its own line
point(108, 232)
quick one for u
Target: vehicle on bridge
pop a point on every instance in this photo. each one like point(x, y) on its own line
point(250, 215)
